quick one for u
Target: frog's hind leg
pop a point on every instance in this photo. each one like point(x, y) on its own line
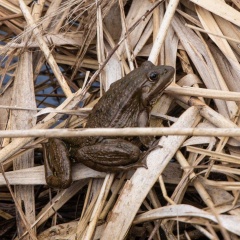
point(57, 164)
point(110, 155)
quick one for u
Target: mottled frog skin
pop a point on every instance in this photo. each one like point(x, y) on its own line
point(126, 104)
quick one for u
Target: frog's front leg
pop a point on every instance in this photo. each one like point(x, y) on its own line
point(143, 121)
point(57, 164)
point(109, 155)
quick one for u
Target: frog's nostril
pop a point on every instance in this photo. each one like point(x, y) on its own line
point(165, 71)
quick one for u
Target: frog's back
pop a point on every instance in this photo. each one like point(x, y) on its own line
point(117, 105)
point(113, 105)
point(121, 104)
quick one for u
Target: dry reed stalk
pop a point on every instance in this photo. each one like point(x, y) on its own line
point(221, 9)
point(23, 86)
point(45, 49)
point(206, 93)
point(163, 30)
point(36, 175)
point(227, 129)
point(88, 233)
point(80, 46)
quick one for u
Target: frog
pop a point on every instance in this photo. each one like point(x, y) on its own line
point(127, 103)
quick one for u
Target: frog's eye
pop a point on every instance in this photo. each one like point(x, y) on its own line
point(153, 76)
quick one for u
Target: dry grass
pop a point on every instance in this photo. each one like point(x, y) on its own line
point(57, 54)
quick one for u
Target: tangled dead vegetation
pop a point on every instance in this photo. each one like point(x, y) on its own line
point(58, 58)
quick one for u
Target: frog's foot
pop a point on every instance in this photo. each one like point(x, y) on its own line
point(110, 155)
point(143, 158)
point(57, 164)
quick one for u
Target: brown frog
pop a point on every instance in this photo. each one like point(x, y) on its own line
point(125, 104)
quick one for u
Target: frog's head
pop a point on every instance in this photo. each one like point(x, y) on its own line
point(157, 78)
